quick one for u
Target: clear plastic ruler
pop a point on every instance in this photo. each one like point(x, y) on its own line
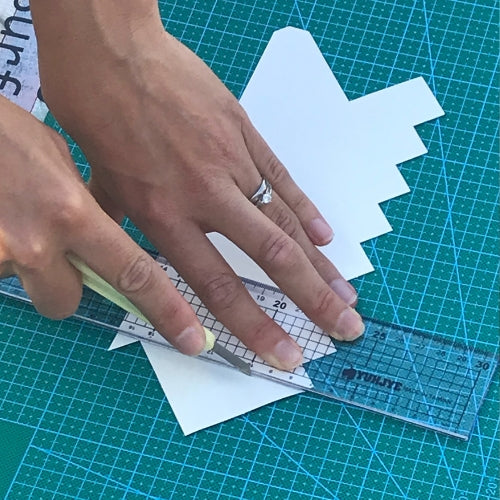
point(414, 376)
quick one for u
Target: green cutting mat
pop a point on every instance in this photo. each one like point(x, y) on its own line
point(101, 425)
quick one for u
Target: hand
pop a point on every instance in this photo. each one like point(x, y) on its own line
point(46, 212)
point(172, 148)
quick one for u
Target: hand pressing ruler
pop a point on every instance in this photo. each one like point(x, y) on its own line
point(414, 376)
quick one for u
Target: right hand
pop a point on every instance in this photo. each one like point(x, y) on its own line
point(171, 148)
point(46, 212)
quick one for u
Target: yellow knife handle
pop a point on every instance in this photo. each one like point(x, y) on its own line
point(103, 288)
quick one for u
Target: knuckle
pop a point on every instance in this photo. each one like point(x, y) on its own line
point(299, 203)
point(276, 172)
point(221, 137)
point(260, 334)
point(221, 291)
point(213, 198)
point(68, 210)
point(209, 186)
point(324, 303)
point(33, 255)
point(283, 219)
point(224, 149)
point(151, 212)
point(279, 251)
point(137, 276)
point(232, 108)
point(157, 212)
point(170, 311)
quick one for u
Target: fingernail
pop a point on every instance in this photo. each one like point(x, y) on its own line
point(190, 341)
point(349, 325)
point(344, 290)
point(321, 231)
point(285, 356)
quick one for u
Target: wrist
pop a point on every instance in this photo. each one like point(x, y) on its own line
point(117, 27)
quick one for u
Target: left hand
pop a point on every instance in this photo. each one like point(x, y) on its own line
point(171, 148)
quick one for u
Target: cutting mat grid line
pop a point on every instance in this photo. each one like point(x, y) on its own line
point(102, 426)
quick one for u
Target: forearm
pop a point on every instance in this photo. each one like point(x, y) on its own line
point(97, 45)
point(101, 24)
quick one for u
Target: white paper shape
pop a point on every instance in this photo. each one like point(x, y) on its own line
point(121, 340)
point(203, 394)
point(209, 394)
point(343, 154)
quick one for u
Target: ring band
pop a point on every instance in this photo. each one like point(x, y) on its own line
point(263, 195)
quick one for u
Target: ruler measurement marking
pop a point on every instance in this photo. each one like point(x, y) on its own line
point(428, 403)
point(471, 393)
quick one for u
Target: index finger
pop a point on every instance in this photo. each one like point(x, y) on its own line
point(224, 294)
point(114, 256)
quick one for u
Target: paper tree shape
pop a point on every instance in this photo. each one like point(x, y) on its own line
point(342, 153)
